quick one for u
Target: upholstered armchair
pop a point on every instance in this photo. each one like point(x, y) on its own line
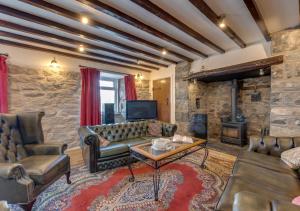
point(28, 165)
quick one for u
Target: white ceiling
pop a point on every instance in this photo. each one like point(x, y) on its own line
point(278, 15)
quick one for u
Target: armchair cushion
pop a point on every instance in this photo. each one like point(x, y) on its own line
point(44, 168)
point(45, 149)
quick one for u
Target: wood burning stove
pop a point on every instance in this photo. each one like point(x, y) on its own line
point(234, 131)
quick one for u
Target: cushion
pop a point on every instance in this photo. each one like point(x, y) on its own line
point(292, 157)
point(155, 129)
point(44, 168)
point(113, 149)
point(296, 201)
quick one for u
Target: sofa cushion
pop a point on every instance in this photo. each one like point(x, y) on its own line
point(278, 182)
point(44, 168)
point(269, 162)
point(113, 149)
point(155, 129)
point(237, 184)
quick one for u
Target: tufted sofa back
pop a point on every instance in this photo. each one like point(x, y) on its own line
point(11, 145)
point(271, 145)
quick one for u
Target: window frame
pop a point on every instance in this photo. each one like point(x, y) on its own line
point(115, 88)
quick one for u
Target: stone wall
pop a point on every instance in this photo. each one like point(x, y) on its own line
point(55, 93)
point(285, 93)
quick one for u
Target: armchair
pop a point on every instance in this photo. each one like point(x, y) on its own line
point(28, 165)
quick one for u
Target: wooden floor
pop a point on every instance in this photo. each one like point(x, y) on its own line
point(75, 156)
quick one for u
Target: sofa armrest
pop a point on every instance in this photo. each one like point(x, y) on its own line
point(12, 171)
point(45, 149)
point(168, 129)
point(90, 146)
point(16, 185)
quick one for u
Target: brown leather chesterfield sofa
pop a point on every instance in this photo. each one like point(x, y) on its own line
point(121, 136)
point(260, 180)
point(27, 165)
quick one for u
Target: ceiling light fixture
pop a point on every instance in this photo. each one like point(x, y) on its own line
point(138, 61)
point(84, 20)
point(81, 48)
point(222, 23)
point(164, 52)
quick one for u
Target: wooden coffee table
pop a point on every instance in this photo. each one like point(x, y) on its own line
point(157, 159)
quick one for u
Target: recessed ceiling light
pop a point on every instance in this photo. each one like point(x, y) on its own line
point(164, 52)
point(81, 48)
point(84, 20)
point(222, 23)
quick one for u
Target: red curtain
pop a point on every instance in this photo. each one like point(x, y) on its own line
point(3, 85)
point(90, 97)
point(130, 90)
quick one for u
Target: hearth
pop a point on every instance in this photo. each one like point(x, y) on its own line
point(233, 131)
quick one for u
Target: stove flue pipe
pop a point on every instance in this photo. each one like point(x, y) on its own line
point(234, 89)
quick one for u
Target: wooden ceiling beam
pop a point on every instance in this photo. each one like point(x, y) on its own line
point(31, 47)
point(48, 35)
point(104, 8)
point(214, 18)
point(258, 18)
point(159, 12)
point(76, 16)
point(58, 26)
point(74, 49)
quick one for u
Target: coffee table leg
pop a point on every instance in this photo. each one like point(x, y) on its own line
point(156, 181)
point(204, 158)
point(131, 179)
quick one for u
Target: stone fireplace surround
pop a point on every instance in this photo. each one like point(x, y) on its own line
point(278, 109)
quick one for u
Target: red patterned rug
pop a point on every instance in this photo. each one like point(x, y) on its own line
point(184, 186)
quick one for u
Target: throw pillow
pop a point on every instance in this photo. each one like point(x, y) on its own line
point(155, 129)
point(103, 141)
point(292, 157)
point(296, 201)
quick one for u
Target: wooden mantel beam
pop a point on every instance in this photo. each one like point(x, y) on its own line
point(258, 18)
point(214, 18)
point(104, 8)
point(156, 10)
point(92, 22)
point(238, 69)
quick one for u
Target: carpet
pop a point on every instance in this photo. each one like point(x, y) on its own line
point(184, 186)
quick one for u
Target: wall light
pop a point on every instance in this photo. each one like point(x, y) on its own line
point(54, 64)
point(139, 77)
point(81, 48)
point(84, 20)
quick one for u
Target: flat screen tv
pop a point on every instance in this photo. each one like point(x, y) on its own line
point(141, 109)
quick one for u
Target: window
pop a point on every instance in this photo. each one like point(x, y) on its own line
point(109, 92)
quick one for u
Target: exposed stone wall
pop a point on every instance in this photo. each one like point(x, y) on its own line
point(182, 97)
point(55, 93)
point(285, 90)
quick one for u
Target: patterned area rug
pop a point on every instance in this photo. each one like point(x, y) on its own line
point(184, 186)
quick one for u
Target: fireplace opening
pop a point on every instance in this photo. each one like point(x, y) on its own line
point(234, 128)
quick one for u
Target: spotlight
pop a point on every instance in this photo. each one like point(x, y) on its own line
point(164, 52)
point(81, 48)
point(222, 23)
point(84, 20)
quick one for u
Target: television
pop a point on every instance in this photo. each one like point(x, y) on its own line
point(141, 109)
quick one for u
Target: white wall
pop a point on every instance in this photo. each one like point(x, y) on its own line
point(166, 73)
point(36, 59)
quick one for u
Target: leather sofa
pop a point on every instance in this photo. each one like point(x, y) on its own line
point(121, 137)
point(260, 180)
point(28, 165)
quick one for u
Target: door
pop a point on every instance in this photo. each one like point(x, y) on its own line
point(161, 93)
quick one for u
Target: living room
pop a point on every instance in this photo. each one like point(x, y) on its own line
point(149, 105)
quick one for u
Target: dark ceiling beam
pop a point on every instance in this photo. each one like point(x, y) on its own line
point(48, 35)
point(214, 18)
point(159, 12)
point(31, 47)
point(58, 26)
point(258, 18)
point(50, 44)
point(104, 8)
point(76, 16)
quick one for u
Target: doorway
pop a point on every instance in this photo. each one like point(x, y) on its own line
point(161, 93)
